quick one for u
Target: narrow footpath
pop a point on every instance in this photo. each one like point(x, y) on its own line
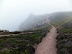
point(48, 43)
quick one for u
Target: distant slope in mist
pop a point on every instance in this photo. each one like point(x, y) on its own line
point(60, 17)
point(33, 21)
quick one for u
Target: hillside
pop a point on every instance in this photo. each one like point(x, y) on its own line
point(23, 43)
point(59, 17)
point(32, 32)
point(64, 38)
point(63, 22)
point(33, 21)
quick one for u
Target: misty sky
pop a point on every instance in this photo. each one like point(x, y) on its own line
point(13, 12)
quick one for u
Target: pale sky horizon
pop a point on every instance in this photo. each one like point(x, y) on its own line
point(13, 12)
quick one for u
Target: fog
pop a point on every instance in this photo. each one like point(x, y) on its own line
point(14, 12)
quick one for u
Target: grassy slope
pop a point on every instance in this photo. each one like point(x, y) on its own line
point(64, 38)
point(64, 43)
point(59, 18)
point(22, 44)
point(64, 23)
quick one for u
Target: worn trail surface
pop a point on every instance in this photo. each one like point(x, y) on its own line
point(48, 43)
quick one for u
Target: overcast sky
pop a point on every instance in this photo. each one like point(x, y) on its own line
point(13, 12)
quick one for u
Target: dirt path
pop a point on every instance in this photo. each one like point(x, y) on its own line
point(48, 43)
point(9, 35)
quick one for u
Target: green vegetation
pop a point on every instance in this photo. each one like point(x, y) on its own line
point(64, 43)
point(63, 22)
point(22, 43)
